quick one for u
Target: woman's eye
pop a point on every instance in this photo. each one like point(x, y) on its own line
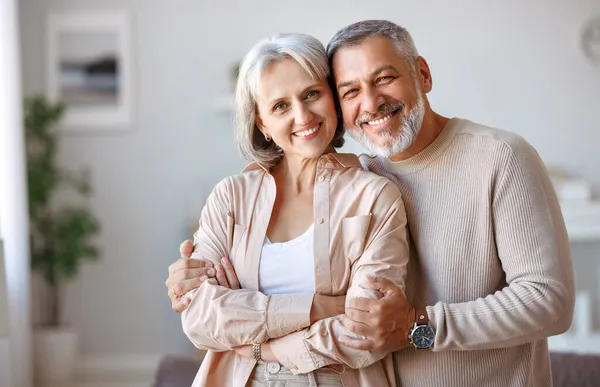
point(312, 94)
point(280, 106)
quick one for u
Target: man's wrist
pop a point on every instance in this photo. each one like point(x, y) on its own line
point(422, 335)
point(421, 317)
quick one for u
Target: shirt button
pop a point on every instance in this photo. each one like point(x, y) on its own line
point(273, 367)
point(321, 178)
point(320, 221)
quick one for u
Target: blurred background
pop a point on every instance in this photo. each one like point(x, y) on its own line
point(146, 88)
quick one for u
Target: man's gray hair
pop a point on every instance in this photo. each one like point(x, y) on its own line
point(309, 53)
point(357, 33)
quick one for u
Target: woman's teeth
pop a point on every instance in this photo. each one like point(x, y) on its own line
point(380, 120)
point(307, 132)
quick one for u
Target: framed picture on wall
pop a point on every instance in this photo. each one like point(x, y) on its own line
point(89, 69)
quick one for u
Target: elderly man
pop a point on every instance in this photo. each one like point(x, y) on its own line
point(491, 275)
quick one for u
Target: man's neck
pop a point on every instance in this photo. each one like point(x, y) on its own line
point(432, 126)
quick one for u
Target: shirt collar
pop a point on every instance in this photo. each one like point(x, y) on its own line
point(332, 161)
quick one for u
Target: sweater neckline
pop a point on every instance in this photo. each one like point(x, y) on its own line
point(422, 159)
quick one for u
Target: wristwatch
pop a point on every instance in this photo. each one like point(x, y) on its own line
point(421, 335)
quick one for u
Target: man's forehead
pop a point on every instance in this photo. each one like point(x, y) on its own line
point(373, 52)
point(347, 70)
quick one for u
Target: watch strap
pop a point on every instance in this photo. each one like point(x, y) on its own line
point(421, 317)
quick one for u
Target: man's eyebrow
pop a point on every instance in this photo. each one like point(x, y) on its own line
point(373, 73)
point(383, 68)
point(345, 84)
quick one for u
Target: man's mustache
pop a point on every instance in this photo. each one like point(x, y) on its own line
point(381, 111)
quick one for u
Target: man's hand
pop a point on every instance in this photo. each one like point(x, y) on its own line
point(326, 306)
point(384, 322)
point(187, 274)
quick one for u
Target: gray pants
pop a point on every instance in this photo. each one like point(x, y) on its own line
point(275, 375)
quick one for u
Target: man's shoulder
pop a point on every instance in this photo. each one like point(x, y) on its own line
point(500, 139)
point(369, 163)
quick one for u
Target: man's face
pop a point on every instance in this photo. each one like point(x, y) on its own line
point(381, 100)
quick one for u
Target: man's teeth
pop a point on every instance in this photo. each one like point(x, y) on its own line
point(380, 120)
point(307, 132)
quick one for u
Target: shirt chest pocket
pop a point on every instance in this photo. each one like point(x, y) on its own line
point(236, 238)
point(354, 235)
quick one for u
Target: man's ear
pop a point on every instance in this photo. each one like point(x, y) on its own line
point(424, 74)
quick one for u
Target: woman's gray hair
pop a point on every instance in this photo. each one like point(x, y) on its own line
point(356, 33)
point(309, 53)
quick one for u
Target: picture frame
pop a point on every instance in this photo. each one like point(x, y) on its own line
point(89, 69)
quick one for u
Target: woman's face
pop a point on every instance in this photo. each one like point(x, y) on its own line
point(295, 110)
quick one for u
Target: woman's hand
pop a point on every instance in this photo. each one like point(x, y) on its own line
point(187, 274)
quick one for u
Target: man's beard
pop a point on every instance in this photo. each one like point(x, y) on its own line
point(392, 144)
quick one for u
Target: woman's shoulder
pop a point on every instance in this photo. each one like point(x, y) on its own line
point(245, 179)
point(353, 174)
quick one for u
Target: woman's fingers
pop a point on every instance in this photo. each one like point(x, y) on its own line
point(230, 273)
point(221, 276)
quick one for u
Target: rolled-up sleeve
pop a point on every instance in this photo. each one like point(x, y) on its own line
point(220, 319)
point(385, 255)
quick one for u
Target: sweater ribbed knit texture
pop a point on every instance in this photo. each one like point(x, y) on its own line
point(490, 258)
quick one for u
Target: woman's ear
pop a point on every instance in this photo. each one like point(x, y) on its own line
point(259, 124)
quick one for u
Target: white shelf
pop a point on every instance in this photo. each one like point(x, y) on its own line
point(573, 343)
point(582, 220)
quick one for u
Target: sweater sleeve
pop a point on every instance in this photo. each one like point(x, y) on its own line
point(533, 247)
point(385, 255)
point(221, 319)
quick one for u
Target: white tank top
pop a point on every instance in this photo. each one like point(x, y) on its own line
point(288, 267)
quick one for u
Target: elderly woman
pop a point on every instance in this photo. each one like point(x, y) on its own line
point(301, 220)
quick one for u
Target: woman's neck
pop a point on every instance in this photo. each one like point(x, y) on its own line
point(297, 173)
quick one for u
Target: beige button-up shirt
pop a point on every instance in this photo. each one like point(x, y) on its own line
point(360, 231)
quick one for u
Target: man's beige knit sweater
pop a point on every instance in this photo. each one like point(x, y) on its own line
point(491, 259)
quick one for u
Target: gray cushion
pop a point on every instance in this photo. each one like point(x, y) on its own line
point(177, 371)
point(573, 370)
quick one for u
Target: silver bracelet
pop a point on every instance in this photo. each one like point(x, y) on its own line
point(256, 352)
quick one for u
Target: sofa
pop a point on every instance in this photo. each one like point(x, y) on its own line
point(568, 370)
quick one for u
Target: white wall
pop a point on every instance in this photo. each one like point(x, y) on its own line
point(4, 325)
point(511, 64)
point(15, 352)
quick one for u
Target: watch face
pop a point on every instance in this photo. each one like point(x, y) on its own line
point(423, 336)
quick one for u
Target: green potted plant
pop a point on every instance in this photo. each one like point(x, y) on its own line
point(60, 235)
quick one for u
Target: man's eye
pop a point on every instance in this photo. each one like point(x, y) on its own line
point(385, 78)
point(350, 93)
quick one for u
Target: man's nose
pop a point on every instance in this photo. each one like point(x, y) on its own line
point(371, 100)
